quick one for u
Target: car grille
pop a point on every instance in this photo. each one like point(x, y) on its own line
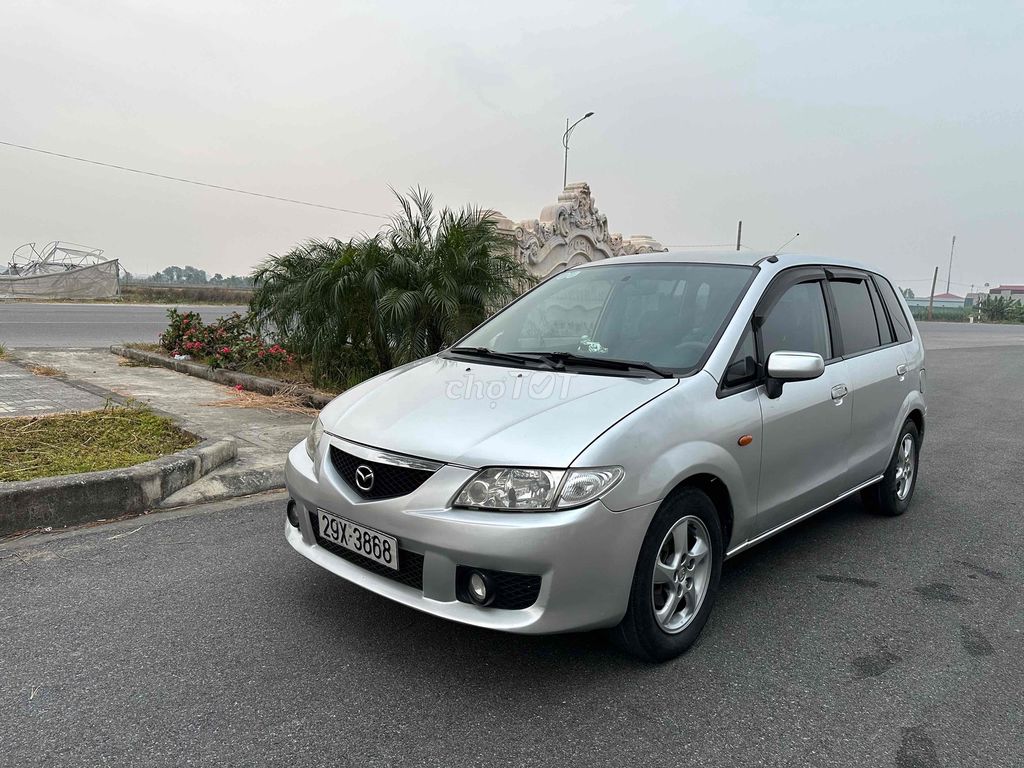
point(410, 564)
point(389, 480)
point(513, 591)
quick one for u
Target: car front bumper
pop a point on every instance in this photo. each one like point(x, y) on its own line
point(584, 556)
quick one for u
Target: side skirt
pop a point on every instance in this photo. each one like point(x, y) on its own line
point(779, 528)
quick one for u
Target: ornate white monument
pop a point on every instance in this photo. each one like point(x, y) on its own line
point(570, 232)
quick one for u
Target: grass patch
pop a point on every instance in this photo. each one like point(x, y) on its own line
point(285, 401)
point(161, 293)
point(290, 373)
point(68, 443)
point(45, 370)
point(3, 352)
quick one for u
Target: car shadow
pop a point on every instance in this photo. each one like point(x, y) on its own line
point(347, 619)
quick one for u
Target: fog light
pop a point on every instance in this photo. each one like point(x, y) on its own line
point(481, 591)
point(293, 517)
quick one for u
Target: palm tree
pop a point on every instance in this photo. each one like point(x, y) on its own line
point(360, 307)
point(450, 270)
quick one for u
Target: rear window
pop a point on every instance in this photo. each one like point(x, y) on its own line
point(856, 315)
point(899, 320)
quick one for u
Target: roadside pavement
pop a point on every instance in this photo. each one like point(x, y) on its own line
point(23, 393)
point(264, 437)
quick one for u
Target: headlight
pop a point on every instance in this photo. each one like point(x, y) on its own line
point(517, 488)
point(582, 486)
point(316, 431)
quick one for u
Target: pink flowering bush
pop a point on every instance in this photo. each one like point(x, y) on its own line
point(230, 342)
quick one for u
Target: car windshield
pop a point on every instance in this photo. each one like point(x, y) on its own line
point(665, 315)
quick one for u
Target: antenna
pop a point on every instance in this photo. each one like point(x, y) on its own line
point(794, 237)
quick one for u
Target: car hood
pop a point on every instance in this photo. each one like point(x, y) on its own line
point(476, 415)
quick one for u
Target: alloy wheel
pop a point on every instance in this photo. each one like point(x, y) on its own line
point(905, 468)
point(682, 572)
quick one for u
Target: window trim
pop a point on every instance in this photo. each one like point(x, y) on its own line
point(806, 273)
point(848, 273)
point(782, 282)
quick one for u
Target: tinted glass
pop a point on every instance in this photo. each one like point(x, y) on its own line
point(742, 368)
point(798, 322)
point(899, 320)
point(856, 315)
point(884, 333)
point(663, 314)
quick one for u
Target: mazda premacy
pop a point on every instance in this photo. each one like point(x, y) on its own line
point(590, 455)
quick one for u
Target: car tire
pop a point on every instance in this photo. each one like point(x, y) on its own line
point(892, 495)
point(651, 629)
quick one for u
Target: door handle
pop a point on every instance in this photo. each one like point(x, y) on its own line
point(839, 391)
point(901, 371)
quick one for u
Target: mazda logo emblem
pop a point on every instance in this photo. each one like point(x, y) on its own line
point(364, 477)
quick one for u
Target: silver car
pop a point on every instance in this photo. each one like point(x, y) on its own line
point(592, 454)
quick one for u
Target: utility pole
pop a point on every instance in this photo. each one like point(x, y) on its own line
point(739, 234)
point(949, 274)
point(931, 299)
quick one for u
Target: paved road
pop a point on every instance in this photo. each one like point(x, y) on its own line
point(100, 325)
point(938, 335)
point(199, 638)
point(89, 325)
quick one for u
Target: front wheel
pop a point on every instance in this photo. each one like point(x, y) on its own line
point(676, 578)
point(892, 494)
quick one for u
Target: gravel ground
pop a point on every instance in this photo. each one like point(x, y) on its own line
point(199, 638)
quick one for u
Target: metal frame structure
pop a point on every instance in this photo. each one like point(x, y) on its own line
point(53, 258)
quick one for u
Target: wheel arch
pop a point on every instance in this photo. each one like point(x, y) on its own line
point(916, 415)
point(716, 490)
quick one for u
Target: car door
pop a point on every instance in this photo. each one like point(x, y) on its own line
point(877, 369)
point(806, 430)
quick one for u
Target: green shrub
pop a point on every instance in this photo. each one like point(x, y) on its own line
point(356, 308)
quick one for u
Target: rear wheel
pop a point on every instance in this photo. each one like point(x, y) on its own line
point(892, 494)
point(676, 578)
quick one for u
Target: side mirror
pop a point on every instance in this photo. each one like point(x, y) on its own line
point(791, 366)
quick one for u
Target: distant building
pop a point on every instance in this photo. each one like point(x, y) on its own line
point(1015, 292)
point(939, 301)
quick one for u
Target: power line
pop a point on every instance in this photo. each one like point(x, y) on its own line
point(192, 181)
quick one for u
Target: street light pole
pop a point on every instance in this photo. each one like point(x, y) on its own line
point(565, 143)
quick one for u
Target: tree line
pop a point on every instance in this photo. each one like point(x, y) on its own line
point(189, 275)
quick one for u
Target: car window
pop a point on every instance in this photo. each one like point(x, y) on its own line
point(665, 314)
point(798, 322)
point(884, 332)
point(565, 314)
point(742, 369)
point(899, 320)
point(856, 315)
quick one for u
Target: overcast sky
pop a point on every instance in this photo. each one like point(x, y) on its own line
point(876, 130)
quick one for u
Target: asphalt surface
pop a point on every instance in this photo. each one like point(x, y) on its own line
point(200, 638)
point(90, 325)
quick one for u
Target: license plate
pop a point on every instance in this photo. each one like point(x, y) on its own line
point(364, 541)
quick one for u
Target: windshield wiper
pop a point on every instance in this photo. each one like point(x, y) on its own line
point(494, 355)
point(605, 362)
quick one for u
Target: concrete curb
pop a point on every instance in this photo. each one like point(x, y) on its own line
point(72, 499)
point(312, 397)
point(229, 483)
